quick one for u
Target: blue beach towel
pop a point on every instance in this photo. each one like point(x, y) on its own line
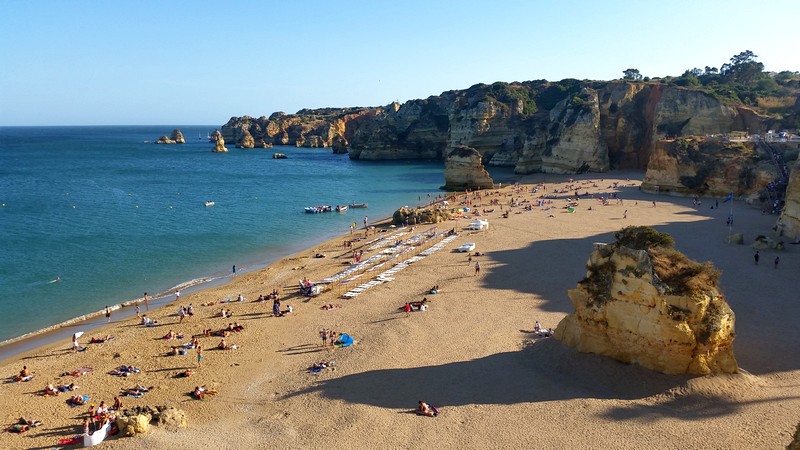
point(345, 340)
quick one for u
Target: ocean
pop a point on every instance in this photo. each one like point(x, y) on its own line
point(96, 216)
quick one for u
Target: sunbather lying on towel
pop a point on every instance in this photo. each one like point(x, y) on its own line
point(50, 390)
point(425, 409)
point(77, 400)
point(200, 392)
point(124, 371)
point(100, 340)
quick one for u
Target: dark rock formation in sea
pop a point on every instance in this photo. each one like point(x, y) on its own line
point(643, 302)
point(463, 170)
point(219, 142)
point(176, 137)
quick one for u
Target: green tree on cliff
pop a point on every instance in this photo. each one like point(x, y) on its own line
point(631, 74)
point(743, 68)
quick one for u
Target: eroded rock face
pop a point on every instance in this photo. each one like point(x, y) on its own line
point(645, 303)
point(413, 216)
point(463, 170)
point(219, 142)
point(789, 222)
point(247, 141)
point(165, 140)
point(709, 167)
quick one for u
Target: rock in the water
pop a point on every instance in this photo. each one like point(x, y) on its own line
point(219, 142)
point(644, 302)
point(278, 156)
point(177, 136)
point(463, 170)
point(165, 140)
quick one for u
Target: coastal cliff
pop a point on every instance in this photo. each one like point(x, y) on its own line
point(709, 167)
point(789, 221)
point(645, 303)
point(533, 126)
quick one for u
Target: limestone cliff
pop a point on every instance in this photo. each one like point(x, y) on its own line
point(533, 126)
point(645, 303)
point(789, 222)
point(463, 170)
point(219, 142)
point(711, 167)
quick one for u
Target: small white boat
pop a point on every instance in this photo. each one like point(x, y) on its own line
point(358, 205)
point(468, 247)
point(317, 209)
point(210, 203)
point(341, 208)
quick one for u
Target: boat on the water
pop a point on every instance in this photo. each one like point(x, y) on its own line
point(318, 209)
point(358, 205)
point(210, 203)
point(341, 208)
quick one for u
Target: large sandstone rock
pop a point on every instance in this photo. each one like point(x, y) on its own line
point(134, 424)
point(219, 142)
point(413, 216)
point(171, 418)
point(710, 167)
point(645, 303)
point(165, 140)
point(463, 170)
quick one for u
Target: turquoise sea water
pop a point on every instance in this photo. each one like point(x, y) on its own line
point(114, 217)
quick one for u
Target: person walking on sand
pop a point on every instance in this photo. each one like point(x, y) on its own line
point(777, 260)
point(407, 309)
point(75, 345)
point(177, 295)
point(199, 356)
point(138, 312)
point(477, 268)
point(756, 257)
point(108, 314)
point(625, 214)
point(234, 270)
point(146, 302)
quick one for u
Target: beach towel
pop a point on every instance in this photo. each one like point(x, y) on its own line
point(71, 441)
point(345, 340)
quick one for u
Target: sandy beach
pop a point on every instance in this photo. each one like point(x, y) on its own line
point(472, 353)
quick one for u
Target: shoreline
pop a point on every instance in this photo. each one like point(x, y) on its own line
point(93, 321)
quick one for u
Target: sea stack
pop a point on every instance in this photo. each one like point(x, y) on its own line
point(644, 302)
point(219, 142)
point(175, 138)
point(247, 141)
point(463, 170)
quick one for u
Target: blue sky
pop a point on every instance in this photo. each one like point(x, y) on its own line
point(201, 62)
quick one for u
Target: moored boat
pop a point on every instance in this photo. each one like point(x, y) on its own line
point(358, 205)
point(341, 208)
point(318, 209)
point(210, 203)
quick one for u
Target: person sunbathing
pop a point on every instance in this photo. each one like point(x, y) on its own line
point(100, 340)
point(117, 404)
point(50, 390)
point(186, 373)
point(237, 327)
point(76, 400)
point(67, 387)
point(425, 410)
point(199, 392)
point(223, 345)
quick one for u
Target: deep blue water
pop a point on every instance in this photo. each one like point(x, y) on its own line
point(115, 217)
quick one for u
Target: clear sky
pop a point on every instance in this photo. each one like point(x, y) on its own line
point(201, 62)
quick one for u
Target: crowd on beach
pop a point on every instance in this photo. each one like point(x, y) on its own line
point(514, 199)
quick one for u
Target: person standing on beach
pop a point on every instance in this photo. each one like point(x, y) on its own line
point(75, 345)
point(234, 270)
point(199, 356)
point(146, 302)
point(756, 257)
point(138, 312)
point(777, 260)
point(177, 295)
point(108, 314)
point(366, 222)
point(477, 268)
point(407, 309)
point(625, 214)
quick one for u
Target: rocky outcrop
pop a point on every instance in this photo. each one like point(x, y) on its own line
point(463, 170)
point(789, 221)
point(176, 137)
point(219, 142)
point(709, 167)
point(314, 128)
point(413, 216)
point(137, 420)
point(247, 141)
point(645, 303)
